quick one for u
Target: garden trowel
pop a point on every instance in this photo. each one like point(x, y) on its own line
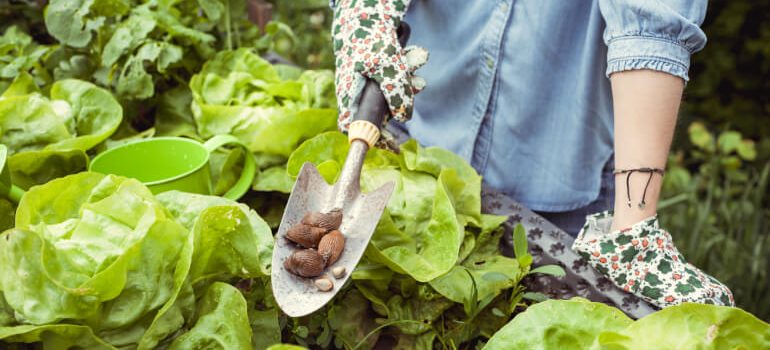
point(298, 296)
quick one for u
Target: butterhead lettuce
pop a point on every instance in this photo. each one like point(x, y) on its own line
point(581, 324)
point(97, 259)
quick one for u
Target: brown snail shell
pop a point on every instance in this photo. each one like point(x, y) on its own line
point(305, 263)
point(329, 221)
point(304, 235)
point(324, 284)
point(330, 247)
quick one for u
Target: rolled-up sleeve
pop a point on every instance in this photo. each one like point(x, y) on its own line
point(653, 34)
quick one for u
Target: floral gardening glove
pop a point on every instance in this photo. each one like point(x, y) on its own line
point(366, 46)
point(643, 260)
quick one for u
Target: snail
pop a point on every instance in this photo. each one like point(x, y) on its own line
point(304, 235)
point(305, 263)
point(328, 221)
point(324, 284)
point(330, 247)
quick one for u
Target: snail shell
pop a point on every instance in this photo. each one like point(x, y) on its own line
point(324, 284)
point(305, 263)
point(329, 221)
point(330, 247)
point(304, 235)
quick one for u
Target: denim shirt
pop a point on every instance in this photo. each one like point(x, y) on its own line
point(520, 88)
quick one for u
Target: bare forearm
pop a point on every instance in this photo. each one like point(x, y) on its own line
point(646, 103)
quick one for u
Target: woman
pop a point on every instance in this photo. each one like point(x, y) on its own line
point(567, 106)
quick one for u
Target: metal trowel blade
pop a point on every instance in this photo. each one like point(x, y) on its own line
point(298, 296)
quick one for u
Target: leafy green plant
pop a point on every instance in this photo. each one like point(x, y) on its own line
point(48, 136)
point(580, 324)
point(312, 18)
point(729, 85)
point(718, 210)
point(98, 261)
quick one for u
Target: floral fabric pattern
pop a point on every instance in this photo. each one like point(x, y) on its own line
point(643, 260)
point(366, 46)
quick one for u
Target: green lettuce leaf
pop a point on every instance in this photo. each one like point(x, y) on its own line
point(559, 324)
point(578, 323)
point(67, 21)
point(20, 55)
point(265, 328)
point(240, 93)
point(71, 269)
point(692, 326)
point(48, 137)
point(273, 179)
point(351, 321)
point(174, 117)
point(222, 322)
point(7, 213)
point(57, 336)
point(230, 238)
point(101, 260)
point(38, 167)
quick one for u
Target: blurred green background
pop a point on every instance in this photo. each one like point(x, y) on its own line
point(716, 203)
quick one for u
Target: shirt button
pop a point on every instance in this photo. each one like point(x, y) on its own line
point(490, 62)
point(504, 7)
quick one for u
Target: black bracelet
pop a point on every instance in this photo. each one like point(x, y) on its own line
point(652, 171)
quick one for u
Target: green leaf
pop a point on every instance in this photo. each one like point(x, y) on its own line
point(274, 179)
point(416, 315)
point(7, 212)
point(222, 322)
point(326, 147)
point(551, 270)
point(692, 326)
point(559, 324)
point(520, 245)
point(230, 239)
point(350, 321)
point(67, 22)
point(701, 137)
point(127, 36)
point(265, 328)
point(22, 85)
point(728, 141)
point(60, 336)
point(72, 267)
point(746, 150)
point(535, 296)
point(174, 117)
point(38, 167)
point(213, 9)
point(241, 94)
point(78, 116)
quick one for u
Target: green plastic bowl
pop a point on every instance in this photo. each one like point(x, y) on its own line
point(173, 163)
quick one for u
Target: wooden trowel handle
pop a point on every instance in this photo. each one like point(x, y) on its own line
point(373, 107)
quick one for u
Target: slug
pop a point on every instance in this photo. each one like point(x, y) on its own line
point(331, 246)
point(305, 263)
point(328, 221)
point(304, 235)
